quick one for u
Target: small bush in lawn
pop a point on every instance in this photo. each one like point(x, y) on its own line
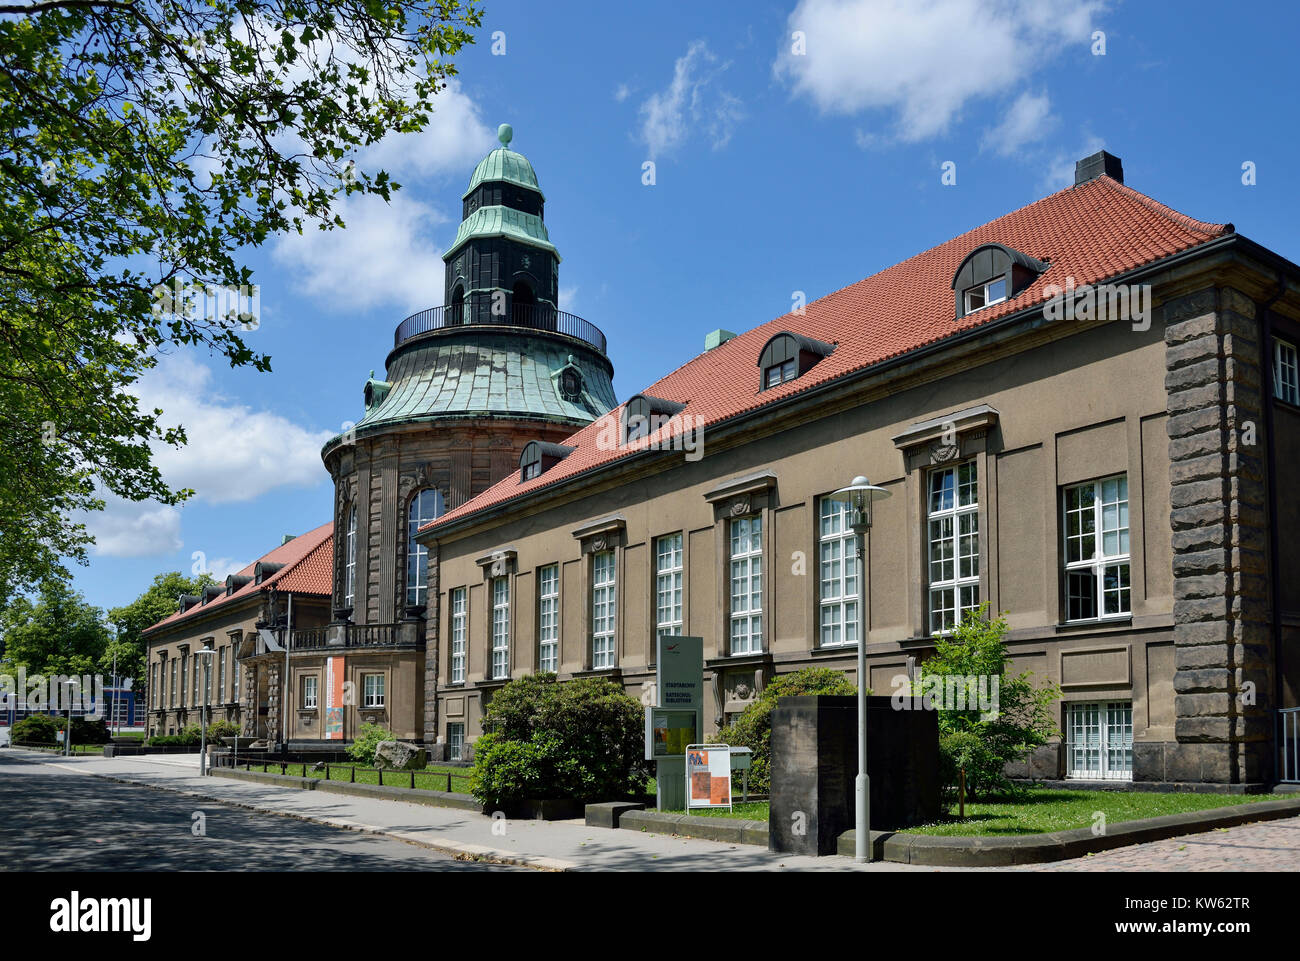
point(362, 748)
point(583, 740)
point(752, 728)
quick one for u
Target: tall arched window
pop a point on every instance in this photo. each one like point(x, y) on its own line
point(350, 561)
point(426, 506)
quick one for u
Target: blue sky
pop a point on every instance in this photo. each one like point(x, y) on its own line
point(775, 172)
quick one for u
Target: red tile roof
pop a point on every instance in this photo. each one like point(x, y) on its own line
point(1091, 232)
point(308, 569)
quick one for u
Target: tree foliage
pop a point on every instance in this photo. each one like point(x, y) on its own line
point(143, 145)
point(56, 633)
point(158, 601)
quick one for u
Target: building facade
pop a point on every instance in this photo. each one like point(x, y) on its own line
point(1084, 412)
point(287, 588)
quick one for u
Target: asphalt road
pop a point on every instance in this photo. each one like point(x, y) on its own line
point(60, 820)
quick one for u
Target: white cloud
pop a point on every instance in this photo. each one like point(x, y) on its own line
point(234, 454)
point(453, 141)
point(388, 255)
point(568, 298)
point(622, 92)
point(134, 529)
point(1027, 120)
point(691, 103)
point(924, 60)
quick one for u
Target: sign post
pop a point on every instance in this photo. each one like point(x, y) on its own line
point(676, 721)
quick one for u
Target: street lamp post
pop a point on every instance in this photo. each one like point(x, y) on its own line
point(203, 711)
point(857, 497)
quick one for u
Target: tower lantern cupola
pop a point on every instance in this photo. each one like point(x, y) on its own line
point(502, 267)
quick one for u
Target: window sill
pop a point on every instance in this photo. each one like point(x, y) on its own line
point(734, 660)
point(830, 650)
point(610, 672)
point(1092, 623)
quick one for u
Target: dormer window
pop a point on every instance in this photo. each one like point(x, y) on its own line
point(986, 295)
point(990, 274)
point(643, 415)
point(539, 456)
point(787, 356)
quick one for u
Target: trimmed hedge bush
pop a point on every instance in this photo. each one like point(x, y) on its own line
point(189, 736)
point(582, 740)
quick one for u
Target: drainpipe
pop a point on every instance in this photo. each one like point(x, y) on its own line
point(284, 677)
point(1270, 457)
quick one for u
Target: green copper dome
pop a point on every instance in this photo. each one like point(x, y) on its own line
point(504, 164)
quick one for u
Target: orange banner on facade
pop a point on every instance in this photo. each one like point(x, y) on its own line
point(334, 698)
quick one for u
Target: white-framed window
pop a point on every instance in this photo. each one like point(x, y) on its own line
point(746, 584)
point(668, 585)
point(986, 294)
point(459, 617)
point(548, 618)
point(780, 373)
point(153, 686)
point(185, 678)
point(500, 627)
point(953, 535)
point(425, 506)
point(838, 557)
point(372, 688)
point(1097, 582)
point(309, 683)
point(221, 675)
point(171, 688)
point(604, 609)
point(234, 680)
point(1286, 372)
point(1099, 740)
point(455, 741)
point(350, 561)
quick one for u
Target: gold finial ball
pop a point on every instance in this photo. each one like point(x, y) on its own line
point(505, 133)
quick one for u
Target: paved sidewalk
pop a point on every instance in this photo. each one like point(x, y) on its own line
point(546, 845)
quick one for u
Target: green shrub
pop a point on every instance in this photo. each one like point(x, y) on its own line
point(362, 748)
point(219, 729)
point(37, 729)
point(44, 728)
point(753, 727)
point(189, 736)
point(582, 740)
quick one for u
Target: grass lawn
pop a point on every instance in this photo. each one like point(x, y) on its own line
point(745, 810)
point(428, 779)
point(1042, 811)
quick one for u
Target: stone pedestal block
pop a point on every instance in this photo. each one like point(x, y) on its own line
point(815, 761)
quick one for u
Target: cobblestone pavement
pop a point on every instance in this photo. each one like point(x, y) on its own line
point(1263, 846)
